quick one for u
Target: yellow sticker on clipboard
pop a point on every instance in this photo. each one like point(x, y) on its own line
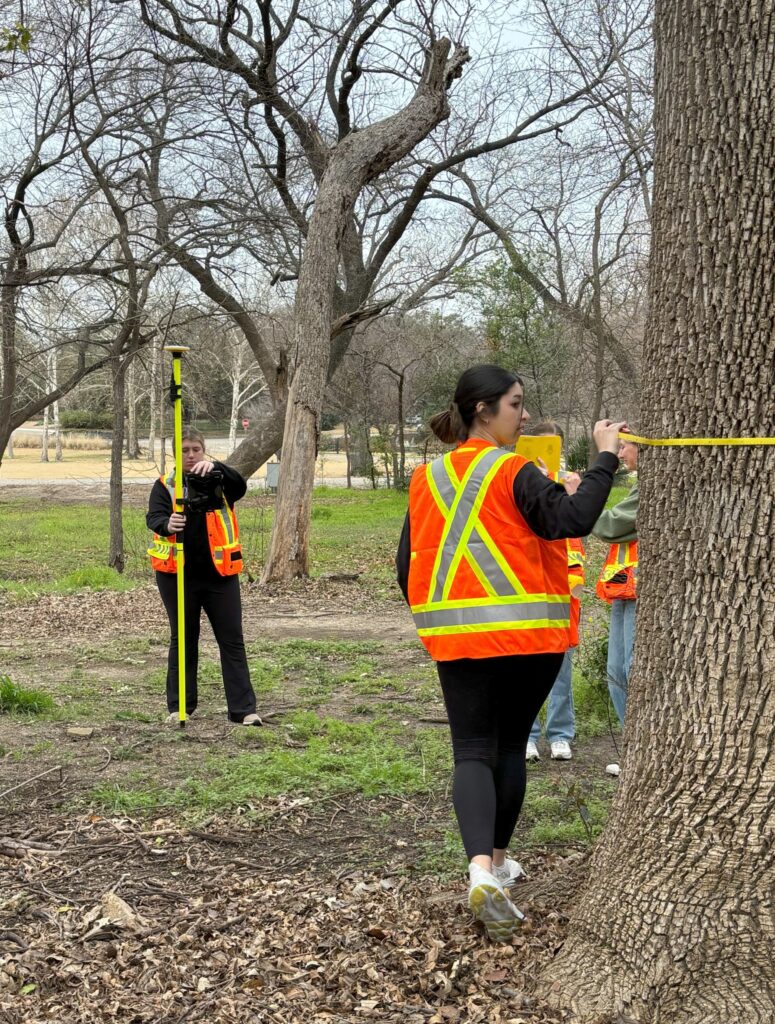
point(542, 446)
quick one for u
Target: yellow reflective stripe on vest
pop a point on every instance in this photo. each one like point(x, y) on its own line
point(622, 562)
point(496, 561)
point(161, 548)
point(466, 528)
point(460, 508)
point(481, 552)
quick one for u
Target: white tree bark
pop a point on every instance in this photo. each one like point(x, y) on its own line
point(152, 393)
point(44, 437)
point(236, 387)
point(132, 445)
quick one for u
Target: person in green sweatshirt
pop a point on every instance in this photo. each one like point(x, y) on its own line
point(618, 582)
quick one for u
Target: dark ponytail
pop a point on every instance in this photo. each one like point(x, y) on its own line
point(480, 384)
point(448, 426)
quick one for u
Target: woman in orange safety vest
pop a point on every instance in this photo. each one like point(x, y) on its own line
point(483, 564)
point(213, 559)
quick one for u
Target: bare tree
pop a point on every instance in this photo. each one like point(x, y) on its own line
point(50, 215)
point(333, 175)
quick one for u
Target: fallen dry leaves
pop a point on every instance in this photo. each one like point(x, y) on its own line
point(147, 922)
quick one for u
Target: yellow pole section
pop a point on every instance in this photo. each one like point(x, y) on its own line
point(177, 351)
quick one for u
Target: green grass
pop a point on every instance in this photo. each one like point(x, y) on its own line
point(318, 668)
point(562, 813)
point(63, 547)
point(18, 700)
point(555, 813)
point(309, 756)
point(443, 857)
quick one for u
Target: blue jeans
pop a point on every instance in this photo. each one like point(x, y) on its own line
point(621, 637)
point(560, 717)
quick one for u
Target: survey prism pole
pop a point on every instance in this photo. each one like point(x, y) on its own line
point(177, 398)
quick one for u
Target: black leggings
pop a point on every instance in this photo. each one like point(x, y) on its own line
point(219, 598)
point(491, 706)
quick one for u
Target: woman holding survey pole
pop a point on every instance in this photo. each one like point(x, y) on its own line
point(483, 564)
point(212, 560)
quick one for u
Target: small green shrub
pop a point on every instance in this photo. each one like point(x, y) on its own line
point(590, 685)
point(16, 700)
point(577, 458)
point(95, 577)
point(86, 419)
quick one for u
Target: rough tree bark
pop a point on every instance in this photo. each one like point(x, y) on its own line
point(357, 159)
point(676, 923)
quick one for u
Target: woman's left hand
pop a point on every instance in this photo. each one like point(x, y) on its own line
point(202, 468)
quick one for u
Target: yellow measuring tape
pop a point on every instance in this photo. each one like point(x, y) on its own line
point(667, 441)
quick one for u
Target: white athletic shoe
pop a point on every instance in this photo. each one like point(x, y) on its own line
point(490, 905)
point(508, 872)
point(531, 754)
point(561, 750)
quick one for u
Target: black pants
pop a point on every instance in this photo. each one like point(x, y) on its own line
point(219, 597)
point(491, 706)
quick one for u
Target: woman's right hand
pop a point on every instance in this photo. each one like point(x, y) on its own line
point(606, 435)
point(177, 522)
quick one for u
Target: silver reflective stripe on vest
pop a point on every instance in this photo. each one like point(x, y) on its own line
point(466, 499)
point(528, 611)
point(226, 519)
point(496, 577)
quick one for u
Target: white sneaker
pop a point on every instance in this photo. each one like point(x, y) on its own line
point(531, 754)
point(613, 768)
point(508, 872)
point(561, 750)
point(251, 719)
point(490, 905)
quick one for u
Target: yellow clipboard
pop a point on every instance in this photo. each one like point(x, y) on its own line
point(544, 446)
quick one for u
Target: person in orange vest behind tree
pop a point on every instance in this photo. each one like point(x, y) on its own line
point(213, 559)
point(618, 585)
point(560, 725)
point(482, 562)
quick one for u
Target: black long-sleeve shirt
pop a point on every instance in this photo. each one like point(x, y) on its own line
point(196, 545)
point(546, 507)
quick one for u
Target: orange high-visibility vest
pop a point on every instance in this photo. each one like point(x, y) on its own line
point(619, 576)
point(481, 583)
point(577, 558)
point(222, 534)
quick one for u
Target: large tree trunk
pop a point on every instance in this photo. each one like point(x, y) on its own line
point(357, 159)
point(8, 359)
point(676, 924)
point(288, 554)
point(361, 460)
